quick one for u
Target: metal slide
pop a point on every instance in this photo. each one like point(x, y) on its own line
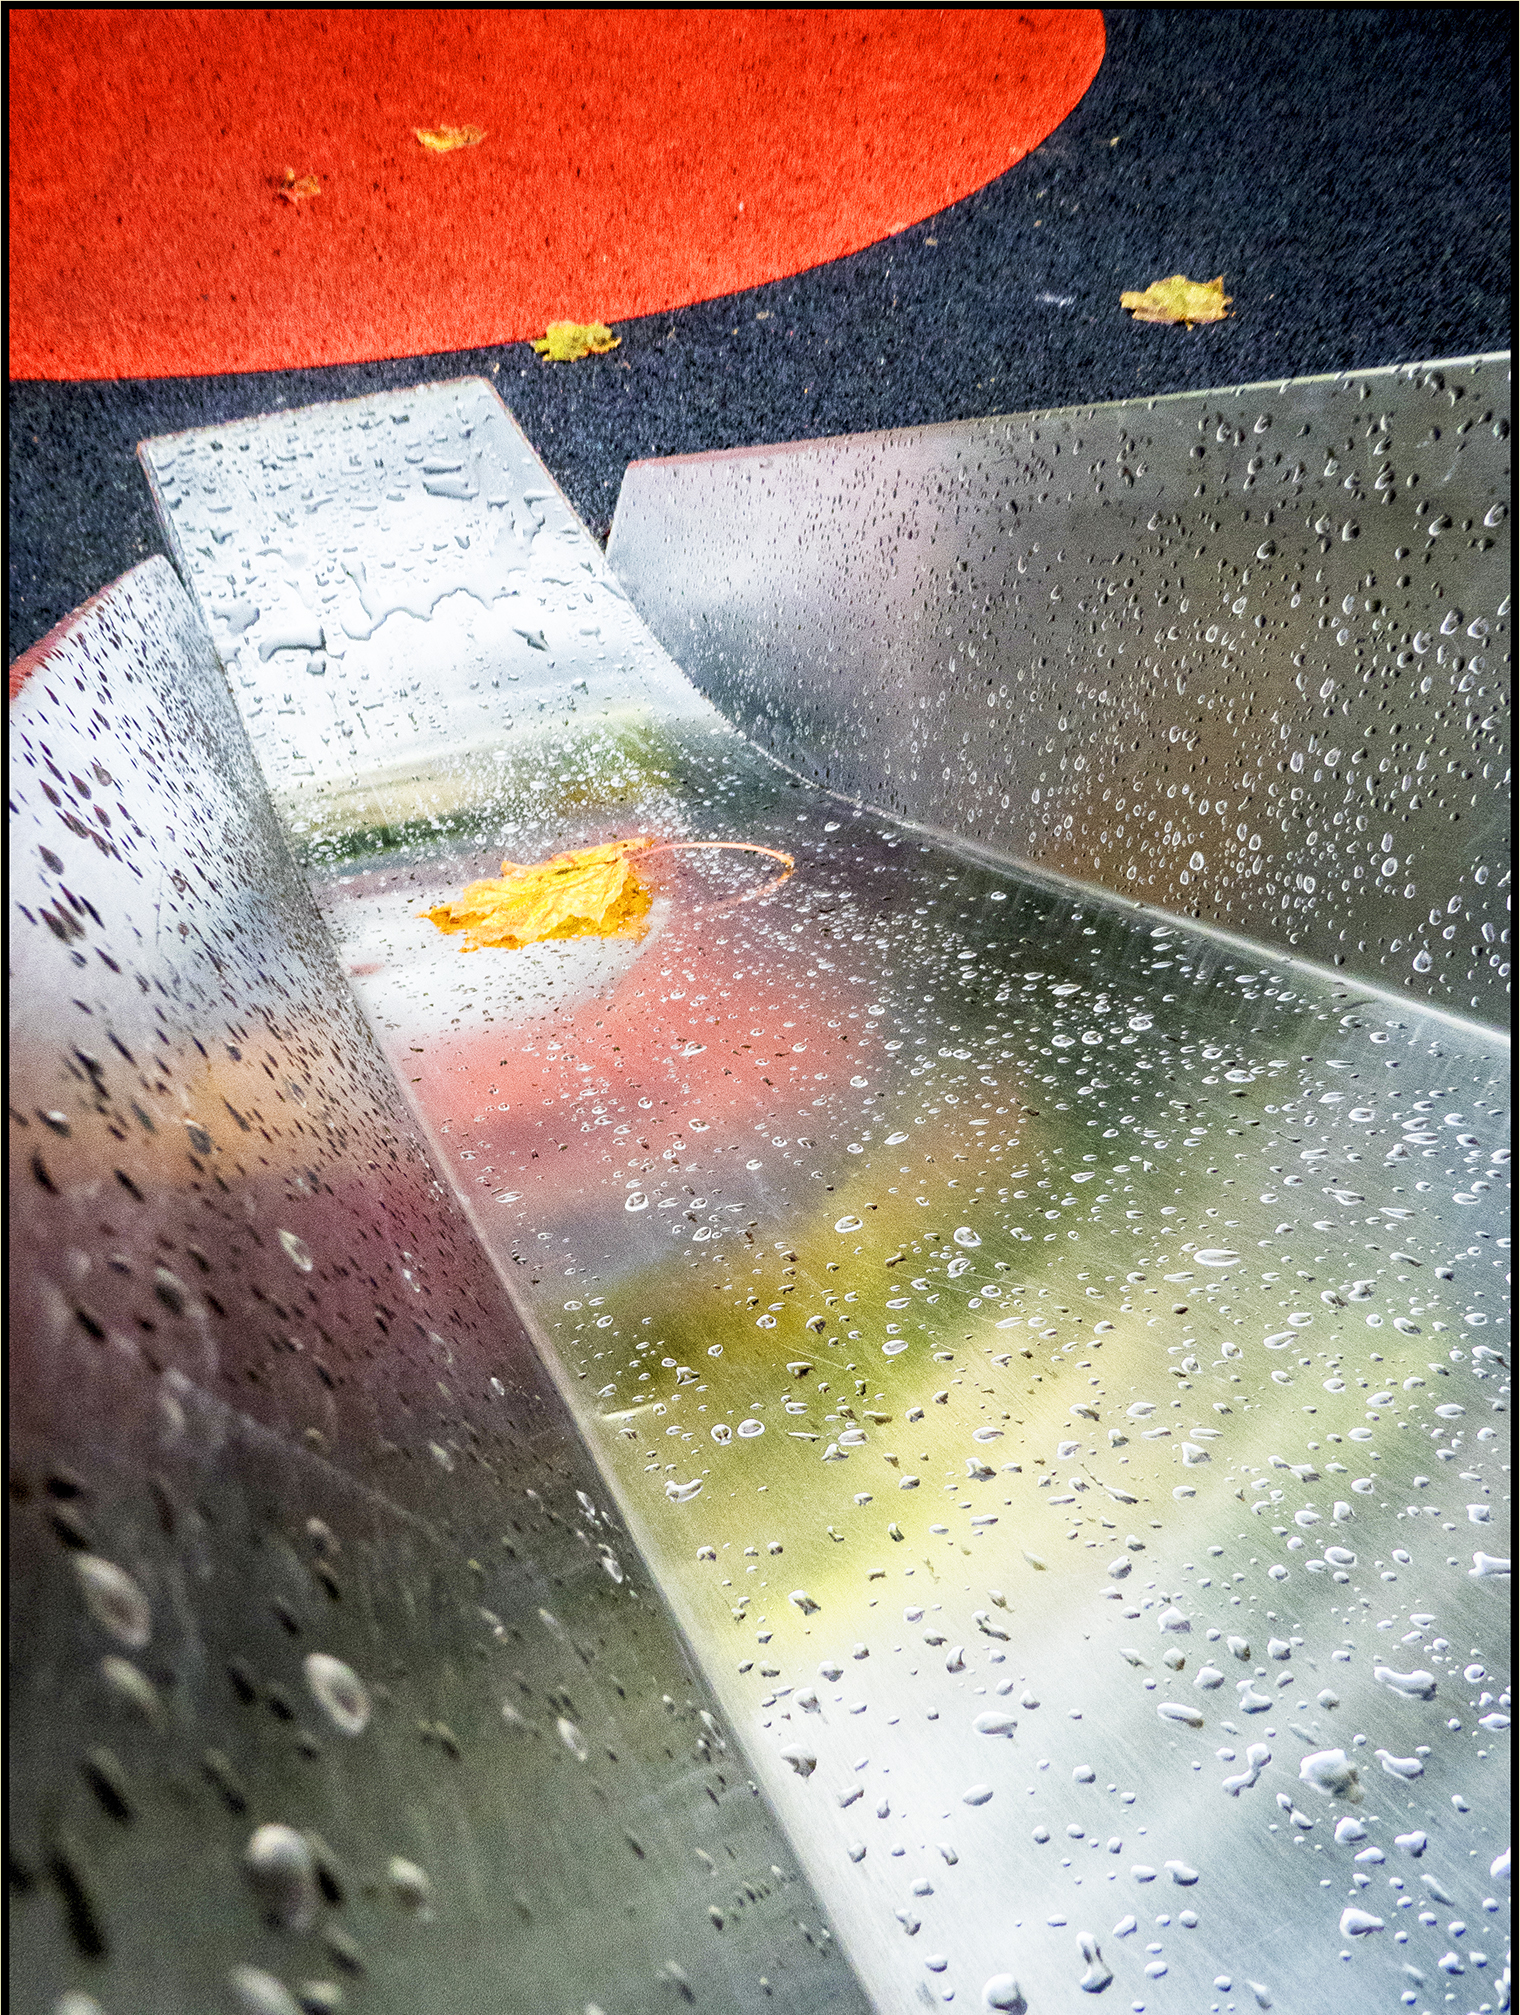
point(507, 1511)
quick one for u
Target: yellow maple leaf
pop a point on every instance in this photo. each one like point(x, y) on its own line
point(565, 342)
point(444, 139)
point(1179, 299)
point(588, 893)
point(297, 191)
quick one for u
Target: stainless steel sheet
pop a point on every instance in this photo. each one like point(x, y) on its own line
point(308, 1561)
point(1241, 654)
point(1229, 1235)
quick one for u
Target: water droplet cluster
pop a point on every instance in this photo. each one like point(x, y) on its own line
point(1242, 654)
point(980, 1223)
point(320, 1602)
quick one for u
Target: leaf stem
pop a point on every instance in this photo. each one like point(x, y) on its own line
point(738, 846)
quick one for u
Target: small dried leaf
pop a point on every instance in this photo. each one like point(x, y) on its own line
point(565, 342)
point(1179, 300)
point(294, 191)
point(444, 139)
point(588, 893)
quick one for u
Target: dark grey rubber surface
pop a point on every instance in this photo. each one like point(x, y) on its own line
point(1347, 169)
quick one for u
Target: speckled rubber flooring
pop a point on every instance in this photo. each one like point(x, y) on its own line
point(1347, 170)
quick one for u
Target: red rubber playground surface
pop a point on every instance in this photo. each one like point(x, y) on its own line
point(635, 161)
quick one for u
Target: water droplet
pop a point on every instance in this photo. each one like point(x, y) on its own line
point(1174, 1710)
point(339, 1689)
point(133, 1689)
point(410, 1885)
point(259, 1993)
point(1258, 1756)
point(282, 1873)
point(1407, 1767)
point(572, 1738)
point(1412, 1685)
point(1358, 1923)
point(1098, 1972)
point(1003, 1992)
point(994, 1724)
point(115, 1601)
point(297, 1251)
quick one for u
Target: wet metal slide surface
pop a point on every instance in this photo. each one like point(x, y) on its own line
point(1048, 1353)
point(1242, 654)
point(336, 1680)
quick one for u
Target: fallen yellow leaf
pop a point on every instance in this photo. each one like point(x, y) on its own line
point(565, 342)
point(1179, 300)
point(589, 893)
point(444, 139)
point(295, 191)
